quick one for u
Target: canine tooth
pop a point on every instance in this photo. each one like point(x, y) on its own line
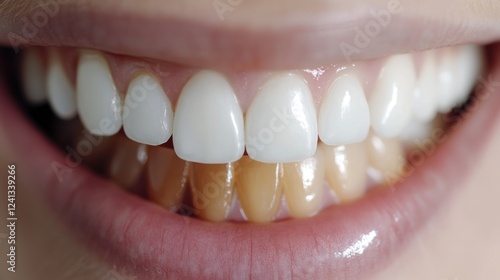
point(33, 77)
point(259, 189)
point(344, 117)
point(167, 177)
point(447, 78)
point(98, 101)
point(470, 63)
point(281, 123)
point(426, 90)
point(147, 113)
point(212, 187)
point(391, 102)
point(386, 155)
point(127, 162)
point(208, 124)
point(303, 185)
point(345, 170)
point(60, 92)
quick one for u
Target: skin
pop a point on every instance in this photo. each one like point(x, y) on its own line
point(460, 242)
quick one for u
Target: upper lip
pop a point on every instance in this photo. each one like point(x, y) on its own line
point(285, 34)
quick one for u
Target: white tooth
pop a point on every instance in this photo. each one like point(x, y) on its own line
point(447, 77)
point(344, 117)
point(470, 63)
point(33, 77)
point(281, 123)
point(208, 123)
point(147, 113)
point(98, 101)
point(426, 90)
point(391, 102)
point(60, 92)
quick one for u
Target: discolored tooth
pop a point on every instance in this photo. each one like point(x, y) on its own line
point(281, 122)
point(33, 77)
point(208, 124)
point(212, 188)
point(345, 170)
point(98, 102)
point(303, 185)
point(167, 176)
point(260, 188)
point(344, 117)
point(147, 113)
point(391, 101)
point(386, 155)
point(60, 92)
point(127, 162)
point(426, 90)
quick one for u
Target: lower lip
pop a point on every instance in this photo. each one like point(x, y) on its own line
point(347, 241)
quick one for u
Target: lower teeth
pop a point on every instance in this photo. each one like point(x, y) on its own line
point(248, 190)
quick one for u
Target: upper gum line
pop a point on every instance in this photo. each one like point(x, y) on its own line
point(173, 78)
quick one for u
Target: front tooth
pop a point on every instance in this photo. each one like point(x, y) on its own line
point(208, 124)
point(386, 155)
point(60, 92)
point(426, 90)
point(33, 77)
point(127, 162)
point(303, 185)
point(167, 177)
point(147, 114)
point(344, 117)
point(259, 189)
point(212, 187)
point(391, 102)
point(98, 101)
point(281, 123)
point(346, 170)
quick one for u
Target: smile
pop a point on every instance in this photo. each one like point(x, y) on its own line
point(169, 162)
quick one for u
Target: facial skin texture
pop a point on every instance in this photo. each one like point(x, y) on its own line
point(460, 242)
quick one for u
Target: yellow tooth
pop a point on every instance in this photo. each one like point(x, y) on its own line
point(346, 167)
point(127, 162)
point(303, 185)
point(386, 155)
point(212, 187)
point(259, 189)
point(167, 177)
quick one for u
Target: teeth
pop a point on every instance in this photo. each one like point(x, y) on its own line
point(469, 66)
point(60, 92)
point(208, 125)
point(98, 101)
point(147, 114)
point(281, 123)
point(346, 170)
point(167, 177)
point(426, 89)
point(386, 155)
point(344, 117)
point(391, 102)
point(127, 162)
point(212, 187)
point(33, 77)
point(303, 185)
point(259, 189)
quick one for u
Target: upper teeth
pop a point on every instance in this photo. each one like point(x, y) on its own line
point(282, 123)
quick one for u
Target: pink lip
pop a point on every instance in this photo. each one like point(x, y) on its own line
point(346, 241)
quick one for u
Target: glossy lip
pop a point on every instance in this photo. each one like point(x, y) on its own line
point(347, 241)
point(295, 34)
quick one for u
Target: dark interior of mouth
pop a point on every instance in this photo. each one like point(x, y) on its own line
point(211, 191)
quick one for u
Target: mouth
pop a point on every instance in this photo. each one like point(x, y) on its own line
point(292, 162)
